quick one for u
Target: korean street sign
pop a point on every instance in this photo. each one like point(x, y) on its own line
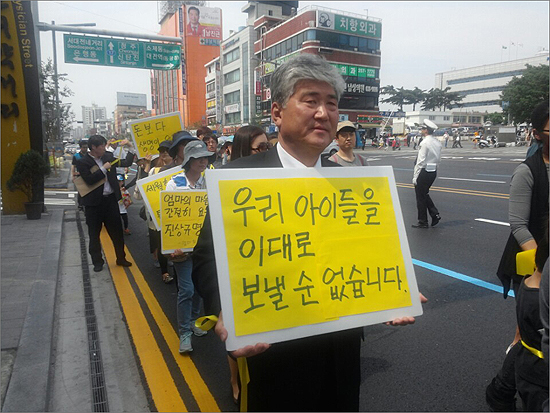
point(105, 51)
point(359, 71)
point(347, 24)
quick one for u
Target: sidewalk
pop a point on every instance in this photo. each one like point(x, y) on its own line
point(49, 358)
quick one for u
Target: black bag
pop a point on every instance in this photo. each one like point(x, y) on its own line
point(142, 213)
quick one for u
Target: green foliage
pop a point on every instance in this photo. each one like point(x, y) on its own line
point(432, 99)
point(525, 92)
point(495, 118)
point(28, 174)
point(49, 114)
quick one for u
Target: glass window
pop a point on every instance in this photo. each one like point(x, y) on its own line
point(288, 46)
point(301, 37)
point(231, 56)
point(233, 97)
point(310, 35)
point(232, 77)
point(362, 44)
point(354, 41)
point(343, 40)
point(294, 41)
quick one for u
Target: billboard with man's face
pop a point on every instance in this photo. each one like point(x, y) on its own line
point(204, 22)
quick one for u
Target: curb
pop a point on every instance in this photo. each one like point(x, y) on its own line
point(31, 369)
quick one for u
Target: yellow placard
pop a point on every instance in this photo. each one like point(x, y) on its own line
point(181, 218)
point(150, 189)
point(148, 133)
point(309, 250)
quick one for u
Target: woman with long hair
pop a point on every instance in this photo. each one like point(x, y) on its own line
point(249, 140)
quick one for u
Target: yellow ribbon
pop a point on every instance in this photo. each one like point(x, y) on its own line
point(206, 323)
point(536, 352)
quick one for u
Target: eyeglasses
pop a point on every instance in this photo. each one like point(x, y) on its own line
point(262, 147)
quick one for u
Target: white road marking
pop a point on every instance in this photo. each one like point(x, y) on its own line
point(59, 192)
point(55, 201)
point(490, 221)
point(473, 180)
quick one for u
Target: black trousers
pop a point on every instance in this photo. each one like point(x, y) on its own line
point(424, 203)
point(108, 213)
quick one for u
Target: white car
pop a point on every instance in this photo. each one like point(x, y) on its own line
point(331, 149)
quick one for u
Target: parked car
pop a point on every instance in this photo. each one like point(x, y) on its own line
point(331, 149)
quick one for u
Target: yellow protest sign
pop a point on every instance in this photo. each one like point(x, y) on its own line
point(310, 251)
point(181, 218)
point(150, 189)
point(148, 133)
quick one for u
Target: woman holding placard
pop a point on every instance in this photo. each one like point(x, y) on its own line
point(195, 161)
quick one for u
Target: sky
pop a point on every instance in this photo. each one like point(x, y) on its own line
point(419, 39)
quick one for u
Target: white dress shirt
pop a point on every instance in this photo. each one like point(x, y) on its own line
point(429, 156)
point(290, 161)
point(107, 190)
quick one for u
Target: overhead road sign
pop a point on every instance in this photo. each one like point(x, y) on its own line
point(105, 51)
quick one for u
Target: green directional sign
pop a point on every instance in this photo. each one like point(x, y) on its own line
point(106, 51)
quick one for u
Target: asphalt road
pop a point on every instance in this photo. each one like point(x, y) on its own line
point(445, 360)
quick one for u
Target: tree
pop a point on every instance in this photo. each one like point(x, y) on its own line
point(49, 114)
point(441, 98)
point(522, 94)
point(397, 96)
point(415, 96)
point(495, 118)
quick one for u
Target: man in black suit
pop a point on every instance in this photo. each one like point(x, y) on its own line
point(101, 204)
point(318, 373)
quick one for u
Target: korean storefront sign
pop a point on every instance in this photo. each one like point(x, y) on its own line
point(301, 252)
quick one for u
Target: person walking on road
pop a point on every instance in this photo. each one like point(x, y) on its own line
point(456, 142)
point(101, 204)
point(317, 373)
point(194, 164)
point(425, 172)
point(345, 137)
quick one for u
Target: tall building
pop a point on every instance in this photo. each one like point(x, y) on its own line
point(184, 90)
point(129, 106)
point(481, 86)
point(94, 120)
point(349, 41)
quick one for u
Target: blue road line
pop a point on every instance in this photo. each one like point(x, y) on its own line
point(462, 277)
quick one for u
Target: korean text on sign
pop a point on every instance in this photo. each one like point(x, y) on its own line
point(181, 217)
point(150, 189)
point(306, 251)
point(148, 133)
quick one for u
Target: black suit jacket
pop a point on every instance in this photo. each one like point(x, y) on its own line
point(84, 166)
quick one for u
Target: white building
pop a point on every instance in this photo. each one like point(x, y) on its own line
point(482, 86)
point(94, 117)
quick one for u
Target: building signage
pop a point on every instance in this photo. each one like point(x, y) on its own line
point(205, 23)
point(258, 104)
point(359, 88)
point(343, 117)
point(347, 24)
point(105, 51)
point(359, 71)
point(234, 108)
point(373, 120)
point(131, 99)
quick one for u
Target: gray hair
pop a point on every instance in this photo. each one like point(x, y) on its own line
point(304, 67)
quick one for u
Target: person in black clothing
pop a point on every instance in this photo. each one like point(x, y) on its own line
point(318, 373)
point(101, 204)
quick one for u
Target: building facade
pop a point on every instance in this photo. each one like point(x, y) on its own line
point(183, 90)
point(350, 42)
point(94, 120)
point(481, 86)
point(129, 106)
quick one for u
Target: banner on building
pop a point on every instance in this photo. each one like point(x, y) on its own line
point(294, 251)
point(205, 23)
point(347, 24)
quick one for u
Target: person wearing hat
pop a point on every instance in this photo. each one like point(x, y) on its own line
point(179, 140)
point(345, 137)
point(425, 171)
point(195, 161)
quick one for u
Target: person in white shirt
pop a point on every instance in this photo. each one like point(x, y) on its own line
point(425, 172)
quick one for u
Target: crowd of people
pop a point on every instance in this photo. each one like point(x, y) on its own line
point(322, 372)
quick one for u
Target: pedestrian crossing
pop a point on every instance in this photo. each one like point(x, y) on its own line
point(61, 198)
